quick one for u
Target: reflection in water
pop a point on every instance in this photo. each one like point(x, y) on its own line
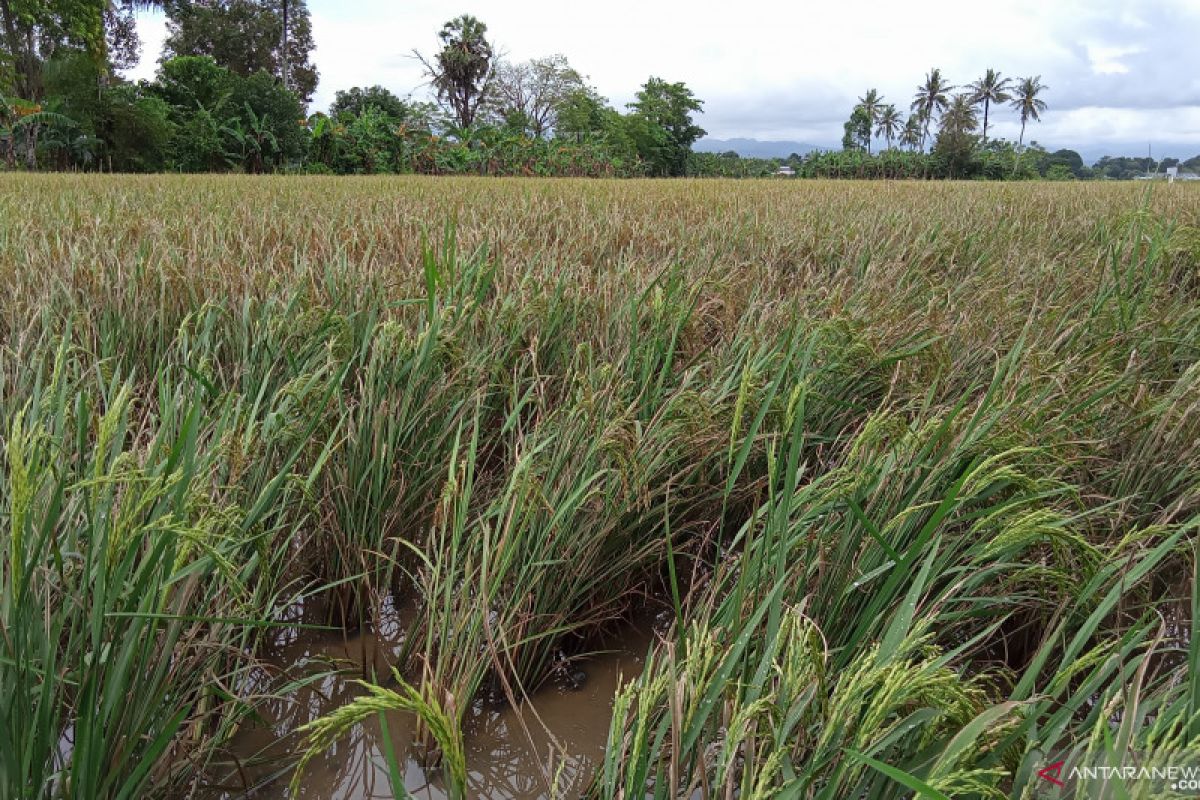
point(557, 739)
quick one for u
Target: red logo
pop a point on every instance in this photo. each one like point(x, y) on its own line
point(1052, 773)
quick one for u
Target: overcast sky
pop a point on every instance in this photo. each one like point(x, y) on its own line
point(1121, 73)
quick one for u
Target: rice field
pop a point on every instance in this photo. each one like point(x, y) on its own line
point(897, 484)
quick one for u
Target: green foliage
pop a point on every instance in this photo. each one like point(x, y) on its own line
point(188, 83)
point(1027, 101)
point(371, 131)
point(119, 127)
point(856, 134)
point(527, 97)
point(71, 80)
point(200, 144)
point(357, 100)
point(99, 689)
point(222, 119)
point(221, 107)
point(930, 100)
point(856, 163)
point(1059, 172)
point(364, 144)
point(1061, 161)
point(955, 148)
point(33, 31)
point(913, 531)
point(730, 165)
point(585, 117)
point(271, 109)
point(1002, 160)
point(461, 72)
point(245, 37)
point(1126, 168)
point(136, 131)
point(888, 124)
point(583, 113)
point(372, 143)
point(991, 89)
point(661, 126)
point(871, 105)
point(960, 155)
point(910, 135)
point(957, 152)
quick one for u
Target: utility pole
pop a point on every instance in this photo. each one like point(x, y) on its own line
point(283, 47)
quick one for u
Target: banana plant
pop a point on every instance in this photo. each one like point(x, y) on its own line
point(255, 140)
point(22, 120)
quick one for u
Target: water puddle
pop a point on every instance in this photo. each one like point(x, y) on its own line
point(556, 739)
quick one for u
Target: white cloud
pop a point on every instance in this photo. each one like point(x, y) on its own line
point(1107, 60)
point(1100, 125)
point(152, 30)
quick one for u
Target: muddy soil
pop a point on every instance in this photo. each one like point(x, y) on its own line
point(548, 746)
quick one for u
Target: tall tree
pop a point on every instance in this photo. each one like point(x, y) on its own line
point(889, 124)
point(532, 92)
point(585, 115)
point(663, 112)
point(856, 131)
point(960, 117)
point(246, 36)
point(871, 104)
point(120, 36)
point(910, 137)
point(20, 124)
point(1027, 103)
point(956, 140)
point(35, 30)
point(356, 100)
point(991, 88)
point(462, 71)
point(931, 99)
point(285, 26)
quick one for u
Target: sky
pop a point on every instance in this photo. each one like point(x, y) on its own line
point(1123, 74)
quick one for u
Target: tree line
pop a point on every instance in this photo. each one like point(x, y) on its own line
point(236, 78)
point(945, 123)
point(937, 102)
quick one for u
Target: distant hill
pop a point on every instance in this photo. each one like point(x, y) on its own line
point(754, 148)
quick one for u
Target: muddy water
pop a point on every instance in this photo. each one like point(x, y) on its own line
point(548, 746)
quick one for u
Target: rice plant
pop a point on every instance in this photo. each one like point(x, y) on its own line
point(908, 474)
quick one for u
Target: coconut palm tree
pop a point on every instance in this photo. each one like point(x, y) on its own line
point(931, 98)
point(1025, 100)
point(871, 104)
point(889, 124)
point(956, 141)
point(910, 137)
point(991, 88)
point(960, 117)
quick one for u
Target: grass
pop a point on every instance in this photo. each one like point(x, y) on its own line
point(915, 468)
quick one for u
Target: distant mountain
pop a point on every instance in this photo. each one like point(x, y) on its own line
point(754, 148)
